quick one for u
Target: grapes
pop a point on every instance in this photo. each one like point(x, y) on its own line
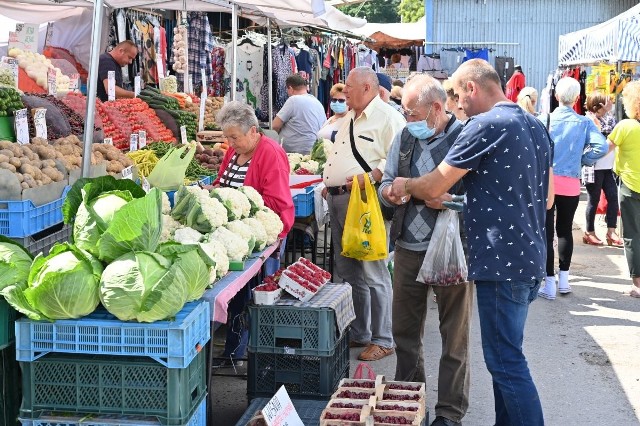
point(404, 387)
point(352, 416)
point(401, 397)
point(394, 420)
point(396, 407)
point(353, 395)
point(345, 405)
point(363, 384)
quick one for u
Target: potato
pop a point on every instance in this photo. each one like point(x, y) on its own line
point(20, 177)
point(24, 185)
point(8, 166)
point(4, 158)
point(7, 153)
point(15, 161)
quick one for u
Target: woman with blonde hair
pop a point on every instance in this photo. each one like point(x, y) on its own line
point(527, 99)
point(338, 106)
point(626, 138)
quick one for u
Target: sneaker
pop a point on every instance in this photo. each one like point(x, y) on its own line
point(443, 421)
point(548, 290)
point(226, 363)
point(375, 352)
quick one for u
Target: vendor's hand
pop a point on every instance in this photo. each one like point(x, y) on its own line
point(436, 203)
point(393, 199)
point(397, 188)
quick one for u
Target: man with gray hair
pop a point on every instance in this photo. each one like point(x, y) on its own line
point(361, 146)
point(418, 149)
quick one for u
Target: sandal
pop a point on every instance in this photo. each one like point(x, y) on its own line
point(375, 352)
point(635, 291)
point(592, 240)
point(614, 241)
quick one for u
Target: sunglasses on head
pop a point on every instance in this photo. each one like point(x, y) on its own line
point(340, 101)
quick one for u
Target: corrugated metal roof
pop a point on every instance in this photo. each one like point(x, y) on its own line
point(534, 25)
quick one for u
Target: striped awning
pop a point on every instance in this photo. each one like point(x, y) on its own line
point(617, 39)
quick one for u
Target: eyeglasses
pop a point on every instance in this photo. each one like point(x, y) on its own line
point(340, 101)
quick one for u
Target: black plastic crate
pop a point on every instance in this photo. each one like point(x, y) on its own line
point(304, 376)
point(10, 392)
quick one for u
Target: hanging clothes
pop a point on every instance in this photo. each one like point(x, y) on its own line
point(504, 67)
point(249, 72)
point(476, 54)
point(218, 56)
point(200, 46)
point(149, 71)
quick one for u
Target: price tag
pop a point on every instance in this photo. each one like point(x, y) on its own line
point(22, 126)
point(145, 184)
point(142, 138)
point(183, 134)
point(52, 82)
point(127, 173)
point(280, 411)
point(160, 66)
point(506, 65)
point(111, 85)
point(133, 142)
point(74, 83)
point(108, 141)
point(40, 122)
point(137, 82)
point(203, 102)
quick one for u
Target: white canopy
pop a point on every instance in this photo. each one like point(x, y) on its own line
point(395, 35)
point(617, 39)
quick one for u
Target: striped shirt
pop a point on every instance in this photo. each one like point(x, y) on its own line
point(234, 174)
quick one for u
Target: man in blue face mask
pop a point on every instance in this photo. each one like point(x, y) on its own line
point(424, 142)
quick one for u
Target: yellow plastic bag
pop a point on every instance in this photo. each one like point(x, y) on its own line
point(364, 236)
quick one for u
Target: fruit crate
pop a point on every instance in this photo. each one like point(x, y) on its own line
point(309, 411)
point(303, 202)
point(10, 393)
point(8, 317)
point(290, 330)
point(112, 385)
point(173, 344)
point(42, 241)
point(304, 376)
point(19, 219)
point(199, 418)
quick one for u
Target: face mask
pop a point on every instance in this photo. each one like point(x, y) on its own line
point(338, 107)
point(420, 129)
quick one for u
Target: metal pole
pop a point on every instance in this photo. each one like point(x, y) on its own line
point(270, 72)
point(92, 86)
point(619, 108)
point(234, 43)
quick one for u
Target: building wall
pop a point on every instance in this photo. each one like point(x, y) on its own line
point(534, 25)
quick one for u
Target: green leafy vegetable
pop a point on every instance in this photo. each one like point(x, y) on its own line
point(195, 267)
point(62, 285)
point(15, 262)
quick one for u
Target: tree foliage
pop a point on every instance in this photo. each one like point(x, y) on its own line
point(379, 11)
point(411, 10)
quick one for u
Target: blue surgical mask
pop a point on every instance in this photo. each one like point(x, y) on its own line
point(338, 107)
point(420, 129)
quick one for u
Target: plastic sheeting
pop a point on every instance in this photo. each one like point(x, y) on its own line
point(396, 35)
point(617, 39)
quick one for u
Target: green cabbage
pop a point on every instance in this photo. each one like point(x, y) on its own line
point(195, 267)
point(15, 262)
point(144, 286)
point(62, 285)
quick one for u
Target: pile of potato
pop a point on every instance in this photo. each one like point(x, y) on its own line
point(33, 164)
point(71, 147)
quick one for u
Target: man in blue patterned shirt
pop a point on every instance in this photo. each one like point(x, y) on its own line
point(504, 157)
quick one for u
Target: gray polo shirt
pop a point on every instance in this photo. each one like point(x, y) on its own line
point(303, 116)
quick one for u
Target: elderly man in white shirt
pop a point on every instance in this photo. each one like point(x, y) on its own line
point(375, 124)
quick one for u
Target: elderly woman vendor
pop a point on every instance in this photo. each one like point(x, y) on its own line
point(252, 160)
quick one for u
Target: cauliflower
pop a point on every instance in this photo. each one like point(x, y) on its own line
point(166, 205)
point(310, 165)
point(216, 252)
point(271, 222)
point(196, 209)
point(258, 230)
point(243, 231)
point(237, 204)
point(187, 235)
point(169, 227)
point(254, 198)
point(237, 248)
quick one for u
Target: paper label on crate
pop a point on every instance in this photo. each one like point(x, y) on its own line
point(52, 82)
point(21, 126)
point(74, 83)
point(40, 122)
point(137, 84)
point(108, 141)
point(183, 134)
point(127, 172)
point(133, 142)
point(145, 184)
point(289, 351)
point(111, 85)
point(203, 102)
point(142, 139)
point(280, 411)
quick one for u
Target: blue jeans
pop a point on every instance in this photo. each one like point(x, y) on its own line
point(503, 308)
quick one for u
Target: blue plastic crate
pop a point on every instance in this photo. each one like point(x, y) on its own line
point(303, 202)
point(174, 344)
point(292, 330)
point(304, 376)
point(205, 180)
point(19, 219)
point(199, 418)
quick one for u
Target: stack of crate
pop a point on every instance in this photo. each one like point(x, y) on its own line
point(98, 370)
point(9, 369)
point(298, 347)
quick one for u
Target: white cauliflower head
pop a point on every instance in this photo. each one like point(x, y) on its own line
point(218, 253)
point(237, 204)
point(244, 231)
point(169, 227)
point(166, 205)
point(310, 165)
point(237, 248)
point(254, 198)
point(258, 230)
point(187, 235)
point(271, 222)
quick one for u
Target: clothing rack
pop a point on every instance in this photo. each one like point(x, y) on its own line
point(138, 12)
point(461, 49)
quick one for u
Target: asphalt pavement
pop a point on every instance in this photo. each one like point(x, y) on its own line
point(583, 350)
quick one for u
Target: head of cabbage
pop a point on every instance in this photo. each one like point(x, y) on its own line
point(15, 262)
point(62, 285)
